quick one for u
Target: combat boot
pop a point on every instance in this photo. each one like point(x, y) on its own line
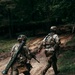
point(57, 72)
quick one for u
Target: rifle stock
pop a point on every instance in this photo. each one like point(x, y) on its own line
point(5, 71)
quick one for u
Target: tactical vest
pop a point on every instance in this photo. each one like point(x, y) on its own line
point(49, 44)
point(49, 40)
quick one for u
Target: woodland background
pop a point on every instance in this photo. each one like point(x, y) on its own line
point(34, 16)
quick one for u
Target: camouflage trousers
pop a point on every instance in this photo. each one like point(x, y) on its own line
point(21, 68)
point(52, 61)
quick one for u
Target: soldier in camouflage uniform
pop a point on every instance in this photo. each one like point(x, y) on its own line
point(22, 58)
point(51, 45)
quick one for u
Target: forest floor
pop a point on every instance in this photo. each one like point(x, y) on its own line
point(37, 67)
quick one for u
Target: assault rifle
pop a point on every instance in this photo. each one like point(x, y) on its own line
point(34, 57)
point(13, 58)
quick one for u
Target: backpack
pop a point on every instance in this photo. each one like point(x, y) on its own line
point(49, 40)
point(49, 44)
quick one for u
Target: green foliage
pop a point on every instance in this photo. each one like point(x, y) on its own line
point(6, 45)
point(67, 62)
point(45, 12)
point(25, 11)
point(66, 59)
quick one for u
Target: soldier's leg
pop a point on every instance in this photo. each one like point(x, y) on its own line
point(14, 71)
point(54, 64)
point(26, 73)
point(54, 67)
point(47, 66)
point(28, 66)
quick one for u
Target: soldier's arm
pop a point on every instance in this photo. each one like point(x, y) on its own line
point(41, 45)
point(57, 40)
point(27, 53)
point(12, 51)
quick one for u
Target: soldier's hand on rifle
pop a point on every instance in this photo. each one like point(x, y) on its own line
point(32, 55)
point(29, 57)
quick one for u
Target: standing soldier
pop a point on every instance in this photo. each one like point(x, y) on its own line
point(22, 58)
point(51, 45)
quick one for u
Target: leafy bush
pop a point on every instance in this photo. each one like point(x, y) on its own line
point(67, 62)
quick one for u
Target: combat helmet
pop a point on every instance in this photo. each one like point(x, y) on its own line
point(22, 38)
point(53, 28)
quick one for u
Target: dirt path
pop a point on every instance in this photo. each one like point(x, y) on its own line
point(37, 67)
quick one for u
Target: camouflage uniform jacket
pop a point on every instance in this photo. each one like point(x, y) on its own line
point(51, 45)
point(22, 56)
